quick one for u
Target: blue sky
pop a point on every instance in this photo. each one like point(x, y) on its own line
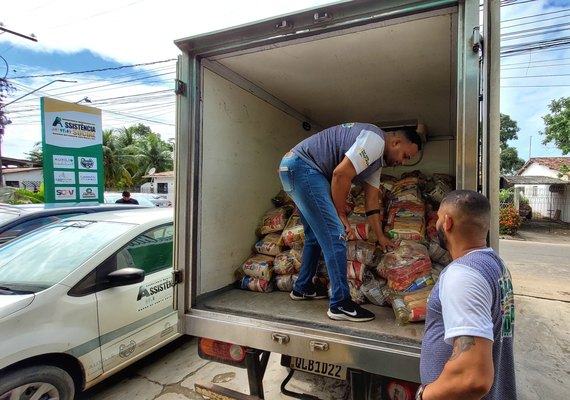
point(78, 36)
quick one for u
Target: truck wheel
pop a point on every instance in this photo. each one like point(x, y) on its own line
point(38, 382)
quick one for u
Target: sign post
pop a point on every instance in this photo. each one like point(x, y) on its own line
point(72, 152)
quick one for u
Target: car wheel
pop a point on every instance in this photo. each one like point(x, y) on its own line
point(38, 382)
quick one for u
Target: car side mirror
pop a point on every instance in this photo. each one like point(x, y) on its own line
point(126, 276)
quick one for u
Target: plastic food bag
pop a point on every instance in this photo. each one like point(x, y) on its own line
point(287, 262)
point(438, 254)
point(269, 245)
point(259, 266)
point(285, 283)
point(293, 234)
point(275, 220)
point(281, 199)
point(362, 251)
point(355, 271)
point(404, 265)
point(256, 284)
point(372, 289)
point(355, 293)
point(410, 307)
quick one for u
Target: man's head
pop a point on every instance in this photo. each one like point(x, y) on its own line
point(126, 195)
point(401, 145)
point(463, 219)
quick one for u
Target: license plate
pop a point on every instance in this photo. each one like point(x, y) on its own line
point(319, 368)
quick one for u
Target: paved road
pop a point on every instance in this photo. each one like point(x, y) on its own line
point(541, 279)
point(542, 285)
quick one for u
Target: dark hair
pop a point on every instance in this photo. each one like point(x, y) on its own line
point(469, 203)
point(412, 135)
point(126, 194)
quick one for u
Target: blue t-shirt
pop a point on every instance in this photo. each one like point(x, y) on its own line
point(362, 143)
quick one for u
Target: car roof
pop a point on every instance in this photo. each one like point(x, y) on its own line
point(23, 212)
point(136, 216)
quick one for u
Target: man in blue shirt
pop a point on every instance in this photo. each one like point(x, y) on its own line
point(317, 174)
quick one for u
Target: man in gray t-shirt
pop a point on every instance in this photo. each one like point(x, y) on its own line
point(318, 173)
point(467, 349)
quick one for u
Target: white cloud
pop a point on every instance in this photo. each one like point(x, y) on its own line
point(124, 31)
point(527, 105)
point(132, 31)
point(138, 31)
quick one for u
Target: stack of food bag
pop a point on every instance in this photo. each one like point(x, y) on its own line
point(293, 234)
point(286, 269)
point(256, 272)
point(407, 270)
point(402, 278)
point(362, 259)
point(406, 210)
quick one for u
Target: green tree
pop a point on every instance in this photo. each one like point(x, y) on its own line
point(509, 130)
point(558, 124)
point(151, 152)
point(510, 161)
point(116, 173)
point(36, 155)
point(564, 170)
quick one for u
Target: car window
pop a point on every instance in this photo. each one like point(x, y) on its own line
point(46, 256)
point(30, 225)
point(151, 252)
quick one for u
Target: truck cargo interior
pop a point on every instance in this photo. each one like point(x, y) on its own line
point(254, 103)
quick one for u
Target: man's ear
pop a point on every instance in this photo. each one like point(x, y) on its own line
point(447, 222)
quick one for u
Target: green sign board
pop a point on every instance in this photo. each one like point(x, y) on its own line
point(72, 152)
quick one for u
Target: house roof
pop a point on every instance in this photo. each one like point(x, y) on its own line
point(6, 171)
point(554, 163)
point(8, 161)
point(510, 180)
point(160, 174)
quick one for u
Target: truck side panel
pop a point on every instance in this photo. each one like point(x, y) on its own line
point(243, 140)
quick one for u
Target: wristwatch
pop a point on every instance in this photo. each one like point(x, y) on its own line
point(420, 392)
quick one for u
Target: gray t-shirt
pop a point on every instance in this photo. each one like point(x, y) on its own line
point(483, 307)
point(362, 143)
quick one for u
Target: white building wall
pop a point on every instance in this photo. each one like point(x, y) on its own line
point(544, 204)
point(152, 187)
point(35, 176)
point(535, 169)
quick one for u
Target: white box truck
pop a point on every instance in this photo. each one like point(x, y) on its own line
point(247, 95)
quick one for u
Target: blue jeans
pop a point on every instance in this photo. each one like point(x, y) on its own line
point(311, 192)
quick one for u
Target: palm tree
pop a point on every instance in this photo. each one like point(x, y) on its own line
point(115, 160)
point(36, 155)
point(151, 152)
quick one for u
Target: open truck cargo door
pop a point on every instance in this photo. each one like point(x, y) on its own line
point(247, 95)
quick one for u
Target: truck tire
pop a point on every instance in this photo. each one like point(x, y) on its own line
point(40, 382)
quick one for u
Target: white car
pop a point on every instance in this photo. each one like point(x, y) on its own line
point(83, 298)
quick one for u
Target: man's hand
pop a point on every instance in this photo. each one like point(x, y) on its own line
point(386, 244)
point(349, 230)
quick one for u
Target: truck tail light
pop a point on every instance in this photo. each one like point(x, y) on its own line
point(223, 352)
point(400, 390)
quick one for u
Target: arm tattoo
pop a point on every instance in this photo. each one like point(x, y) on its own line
point(461, 344)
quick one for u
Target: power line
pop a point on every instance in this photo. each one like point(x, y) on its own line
point(95, 70)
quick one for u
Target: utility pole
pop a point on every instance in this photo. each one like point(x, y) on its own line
point(5, 86)
point(530, 148)
point(5, 121)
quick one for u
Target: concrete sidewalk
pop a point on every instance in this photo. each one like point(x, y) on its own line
point(543, 231)
point(170, 374)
